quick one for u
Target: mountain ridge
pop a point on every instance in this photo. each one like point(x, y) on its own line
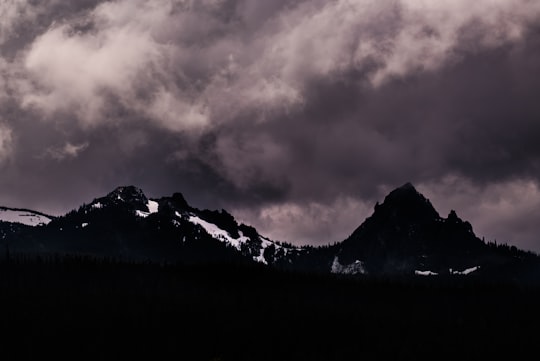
point(126, 223)
point(405, 235)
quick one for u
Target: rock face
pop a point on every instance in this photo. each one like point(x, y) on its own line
point(404, 236)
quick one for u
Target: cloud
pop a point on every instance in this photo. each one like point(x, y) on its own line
point(183, 66)
point(119, 58)
point(13, 12)
point(308, 223)
point(384, 39)
point(67, 151)
point(3, 79)
point(6, 143)
point(285, 109)
point(503, 211)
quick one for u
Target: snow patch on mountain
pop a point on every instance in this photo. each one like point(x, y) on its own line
point(142, 214)
point(465, 271)
point(224, 236)
point(152, 208)
point(265, 243)
point(219, 233)
point(26, 217)
point(425, 273)
point(97, 205)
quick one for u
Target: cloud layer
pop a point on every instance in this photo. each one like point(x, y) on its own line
point(297, 115)
point(6, 143)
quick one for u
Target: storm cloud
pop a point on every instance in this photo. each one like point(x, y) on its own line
point(297, 116)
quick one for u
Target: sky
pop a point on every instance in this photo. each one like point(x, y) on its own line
point(294, 115)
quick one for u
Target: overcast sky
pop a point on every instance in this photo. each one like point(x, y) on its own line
point(294, 115)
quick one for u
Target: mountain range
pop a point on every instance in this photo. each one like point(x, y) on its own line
point(405, 235)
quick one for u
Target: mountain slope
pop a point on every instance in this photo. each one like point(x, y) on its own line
point(15, 222)
point(24, 216)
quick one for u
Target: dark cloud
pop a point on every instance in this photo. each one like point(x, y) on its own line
point(296, 115)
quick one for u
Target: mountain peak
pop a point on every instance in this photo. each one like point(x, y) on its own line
point(406, 203)
point(128, 194)
point(127, 191)
point(406, 190)
point(179, 200)
point(406, 234)
point(407, 186)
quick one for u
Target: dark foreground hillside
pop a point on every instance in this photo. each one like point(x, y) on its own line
point(81, 308)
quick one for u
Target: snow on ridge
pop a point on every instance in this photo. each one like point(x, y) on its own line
point(237, 243)
point(97, 205)
point(465, 271)
point(219, 233)
point(357, 267)
point(470, 270)
point(142, 213)
point(152, 206)
point(24, 217)
point(265, 243)
point(425, 273)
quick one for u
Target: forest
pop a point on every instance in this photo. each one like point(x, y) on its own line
point(101, 308)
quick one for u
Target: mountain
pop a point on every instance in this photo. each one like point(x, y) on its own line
point(405, 235)
point(126, 224)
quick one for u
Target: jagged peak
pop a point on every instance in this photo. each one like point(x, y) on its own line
point(127, 193)
point(179, 200)
point(407, 201)
point(405, 191)
point(408, 186)
point(130, 196)
point(452, 215)
point(175, 203)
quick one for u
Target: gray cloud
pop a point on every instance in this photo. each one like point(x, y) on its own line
point(297, 115)
point(6, 143)
point(67, 151)
point(13, 12)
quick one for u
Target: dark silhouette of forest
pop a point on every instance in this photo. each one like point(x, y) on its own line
point(101, 308)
